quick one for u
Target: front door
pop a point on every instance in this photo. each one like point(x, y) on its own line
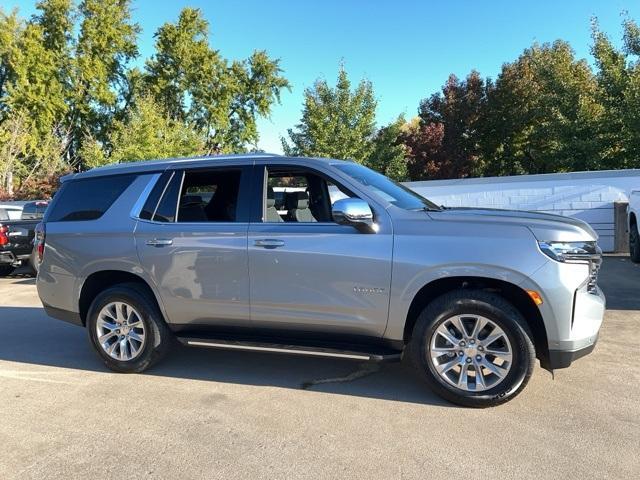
point(308, 273)
point(194, 246)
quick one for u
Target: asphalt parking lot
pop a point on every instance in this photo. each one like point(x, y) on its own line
point(217, 414)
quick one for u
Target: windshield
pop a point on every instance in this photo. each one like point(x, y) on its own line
point(392, 191)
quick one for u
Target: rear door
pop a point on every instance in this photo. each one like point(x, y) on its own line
point(307, 272)
point(192, 241)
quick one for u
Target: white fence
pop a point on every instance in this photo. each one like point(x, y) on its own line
point(588, 196)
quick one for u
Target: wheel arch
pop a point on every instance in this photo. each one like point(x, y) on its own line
point(511, 292)
point(99, 281)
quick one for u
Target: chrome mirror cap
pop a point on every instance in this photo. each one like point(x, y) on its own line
point(354, 212)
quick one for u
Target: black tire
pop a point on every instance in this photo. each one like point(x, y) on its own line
point(33, 264)
point(6, 270)
point(492, 307)
point(159, 337)
point(634, 243)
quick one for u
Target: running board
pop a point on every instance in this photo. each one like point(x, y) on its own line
point(314, 351)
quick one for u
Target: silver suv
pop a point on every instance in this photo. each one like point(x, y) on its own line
point(349, 264)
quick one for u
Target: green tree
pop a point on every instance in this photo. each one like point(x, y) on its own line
point(105, 45)
point(13, 146)
point(56, 19)
point(67, 91)
point(196, 85)
point(542, 114)
point(36, 90)
point(34, 105)
point(146, 133)
point(618, 91)
point(388, 152)
point(10, 33)
point(336, 122)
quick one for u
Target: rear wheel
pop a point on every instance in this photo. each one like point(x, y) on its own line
point(634, 243)
point(33, 264)
point(126, 328)
point(6, 270)
point(472, 348)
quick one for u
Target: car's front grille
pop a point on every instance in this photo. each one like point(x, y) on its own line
point(594, 260)
point(594, 268)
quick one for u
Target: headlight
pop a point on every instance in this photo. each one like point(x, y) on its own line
point(569, 251)
point(587, 253)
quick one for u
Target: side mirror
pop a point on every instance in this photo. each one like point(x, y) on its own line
point(354, 212)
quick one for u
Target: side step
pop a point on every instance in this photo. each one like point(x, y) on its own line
point(348, 352)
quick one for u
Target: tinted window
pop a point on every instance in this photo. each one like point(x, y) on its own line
point(166, 211)
point(3, 214)
point(299, 195)
point(34, 210)
point(209, 196)
point(89, 198)
point(152, 202)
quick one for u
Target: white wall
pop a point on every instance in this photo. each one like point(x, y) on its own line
point(588, 196)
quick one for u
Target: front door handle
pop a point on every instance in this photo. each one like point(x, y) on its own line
point(269, 243)
point(159, 242)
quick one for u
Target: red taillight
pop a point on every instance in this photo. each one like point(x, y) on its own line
point(39, 240)
point(4, 239)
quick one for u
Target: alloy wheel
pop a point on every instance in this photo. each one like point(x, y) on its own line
point(120, 331)
point(470, 352)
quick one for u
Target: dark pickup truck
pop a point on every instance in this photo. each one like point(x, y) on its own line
point(16, 237)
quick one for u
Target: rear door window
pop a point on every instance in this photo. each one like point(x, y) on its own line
point(88, 199)
point(200, 196)
point(210, 196)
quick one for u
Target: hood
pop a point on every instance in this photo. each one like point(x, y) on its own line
point(544, 226)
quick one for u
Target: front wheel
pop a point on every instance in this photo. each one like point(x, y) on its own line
point(126, 328)
point(472, 348)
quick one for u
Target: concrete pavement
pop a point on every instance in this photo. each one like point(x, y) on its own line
point(215, 414)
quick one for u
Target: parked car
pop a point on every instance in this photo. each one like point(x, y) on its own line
point(13, 210)
point(16, 237)
point(634, 235)
point(469, 297)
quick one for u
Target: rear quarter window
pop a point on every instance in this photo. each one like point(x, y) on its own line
point(87, 199)
point(4, 215)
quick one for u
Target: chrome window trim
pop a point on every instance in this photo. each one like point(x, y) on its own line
point(144, 195)
point(176, 219)
point(161, 197)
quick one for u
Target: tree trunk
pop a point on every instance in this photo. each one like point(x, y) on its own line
point(9, 183)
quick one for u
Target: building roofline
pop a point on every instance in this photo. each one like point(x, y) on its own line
point(542, 177)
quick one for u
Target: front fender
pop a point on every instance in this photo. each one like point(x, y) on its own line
point(403, 295)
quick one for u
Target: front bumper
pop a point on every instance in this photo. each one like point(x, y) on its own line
point(564, 358)
point(572, 312)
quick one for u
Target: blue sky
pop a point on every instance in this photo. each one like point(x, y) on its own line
point(406, 48)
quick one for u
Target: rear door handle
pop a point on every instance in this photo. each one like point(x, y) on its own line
point(159, 242)
point(269, 243)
